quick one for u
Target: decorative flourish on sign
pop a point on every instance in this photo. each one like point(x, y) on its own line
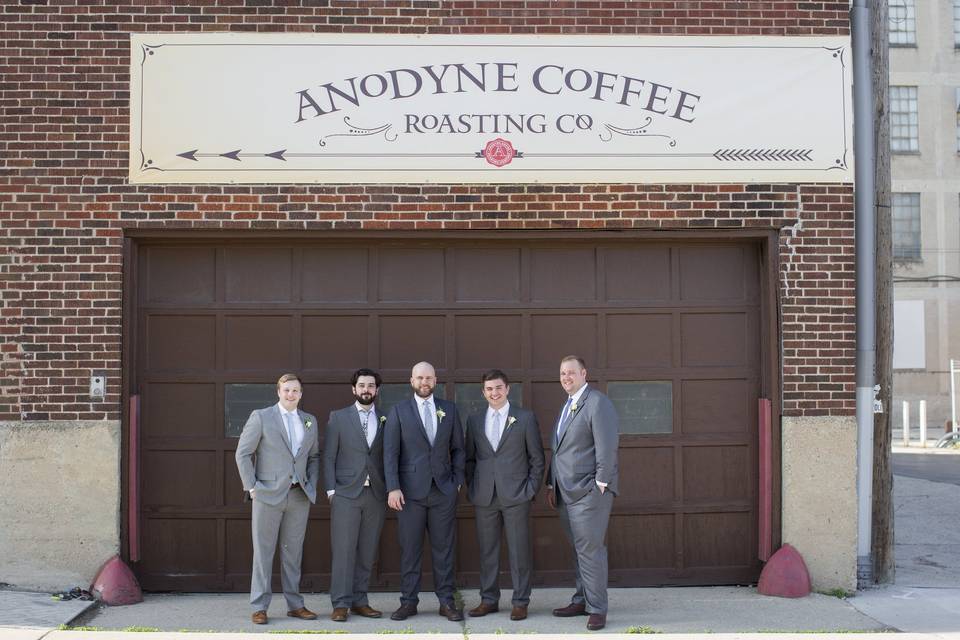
point(764, 155)
point(357, 130)
point(634, 132)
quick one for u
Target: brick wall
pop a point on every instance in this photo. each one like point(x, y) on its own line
point(65, 201)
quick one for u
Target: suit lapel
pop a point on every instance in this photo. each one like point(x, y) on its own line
point(279, 423)
point(480, 432)
point(307, 433)
point(415, 407)
point(358, 426)
point(506, 428)
point(573, 416)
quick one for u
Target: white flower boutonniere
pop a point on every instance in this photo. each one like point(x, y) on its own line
point(441, 414)
point(383, 419)
point(307, 424)
point(511, 420)
point(573, 408)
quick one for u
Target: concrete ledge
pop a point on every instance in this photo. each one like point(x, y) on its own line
point(60, 502)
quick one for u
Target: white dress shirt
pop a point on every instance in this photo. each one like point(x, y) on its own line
point(433, 409)
point(504, 412)
point(372, 425)
point(296, 427)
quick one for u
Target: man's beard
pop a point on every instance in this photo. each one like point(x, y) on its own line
point(419, 392)
point(366, 398)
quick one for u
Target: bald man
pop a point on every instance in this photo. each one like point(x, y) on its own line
point(423, 462)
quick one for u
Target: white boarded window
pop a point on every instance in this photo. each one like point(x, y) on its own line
point(956, 105)
point(902, 20)
point(904, 120)
point(909, 340)
point(906, 226)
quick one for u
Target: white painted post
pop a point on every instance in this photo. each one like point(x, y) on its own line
point(953, 396)
point(906, 423)
point(923, 423)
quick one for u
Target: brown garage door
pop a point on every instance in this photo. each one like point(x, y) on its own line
point(670, 330)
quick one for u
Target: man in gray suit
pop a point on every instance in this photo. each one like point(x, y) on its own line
point(423, 467)
point(582, 483)
point(353, 479)
point(278, 456)
point(504, 469)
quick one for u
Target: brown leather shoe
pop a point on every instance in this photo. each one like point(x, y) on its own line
point(596, 621)
point(518, 613)
point(404, 612)
point(483, 609)
point(259, 617)
point(451, 613)
point(339, 614)
point(366, 611)
point(571, 610)
point(303, 613)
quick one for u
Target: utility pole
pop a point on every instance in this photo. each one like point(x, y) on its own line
point(882, 529)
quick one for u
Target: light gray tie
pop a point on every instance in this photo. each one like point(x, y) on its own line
point(288, 423)
point(563, 419)
point(363, 424)
point(428, 423)
point(495, 430)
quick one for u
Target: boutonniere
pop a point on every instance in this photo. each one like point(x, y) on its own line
point(307, 424)
point(511, 420)
point(573, 408)
point(441, 414)
point(383, 419)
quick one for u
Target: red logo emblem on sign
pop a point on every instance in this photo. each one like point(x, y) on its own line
point(499, 152)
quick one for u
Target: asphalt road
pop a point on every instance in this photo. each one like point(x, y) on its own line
point(932, 467)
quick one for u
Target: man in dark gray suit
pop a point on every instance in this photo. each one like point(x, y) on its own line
point(504, 469)
point(278, 457)
point(582, 483)
point(353, 479)
point(423, 467)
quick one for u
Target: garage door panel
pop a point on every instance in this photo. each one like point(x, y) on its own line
point(321, 399)
point(189, 478)
point(640, 340)
point(646, 476)
point(551, 551)
point(718, 539)
point(407, 340)
point(642, 541)
point(316, 544)
point(162, 406)
point(547, 399)
point(712, 273)
point(180, 276)
point(716, 406)
point(179, 545)
point(717, 474)
point(259, 342)
point(334, 275)
point(487, 275)
point(232, 485)
point(488, 341)
point(239, 546)
point(556, 336)
point(638, 274)
point(180, 343)
point(563, 275)
point(714, 339)
point(334, 342)
point(258, 275)
point(411, 275)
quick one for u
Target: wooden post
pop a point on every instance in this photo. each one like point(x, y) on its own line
point(882, 543)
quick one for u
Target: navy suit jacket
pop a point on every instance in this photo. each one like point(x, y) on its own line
point(410, 463)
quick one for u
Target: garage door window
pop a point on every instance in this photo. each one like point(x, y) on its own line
point(239, 400)
point(643, 407)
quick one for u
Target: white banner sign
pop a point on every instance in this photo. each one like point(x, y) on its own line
point(223, 108)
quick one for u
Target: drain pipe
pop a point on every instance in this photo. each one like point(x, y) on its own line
point(865, 225)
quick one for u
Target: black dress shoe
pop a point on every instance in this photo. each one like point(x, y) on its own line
point(571, 610)
point(596, 621)
point(451, 613)
point(404, 612)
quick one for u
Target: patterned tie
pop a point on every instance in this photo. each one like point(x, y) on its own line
point(288, 423)
point(495, 430)
point(563, 419)
point(428, 423)
point(364, 423)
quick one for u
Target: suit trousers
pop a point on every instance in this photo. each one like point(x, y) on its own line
point(585, 523)
point(355, 526)
point(436, 515)
point(515, 520)
point(288, 522)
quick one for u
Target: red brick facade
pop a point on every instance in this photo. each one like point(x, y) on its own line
point(65, 200)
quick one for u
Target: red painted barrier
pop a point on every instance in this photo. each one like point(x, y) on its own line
point(115, 584)
point(785, 575)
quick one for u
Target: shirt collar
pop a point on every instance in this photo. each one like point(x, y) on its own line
point(295, 412)
point(576, 397)
point(360, 409)
point(504, 410)
point(429, 399)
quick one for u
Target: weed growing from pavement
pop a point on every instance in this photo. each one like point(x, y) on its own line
point(136, 629)
point(643, 629)
point(66, 627)
point(843, 594)
point(298, 631)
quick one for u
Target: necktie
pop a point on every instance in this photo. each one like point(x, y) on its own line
point(288, 423)
point(364, 423)
point(495, 430)
point(428, 422)
point(563, 418)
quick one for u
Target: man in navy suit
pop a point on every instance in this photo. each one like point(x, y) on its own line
point(423, 463)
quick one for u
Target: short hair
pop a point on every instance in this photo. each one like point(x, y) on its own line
point(495, 374)
point(365, 372)
point(287, 377)
point(580, 361)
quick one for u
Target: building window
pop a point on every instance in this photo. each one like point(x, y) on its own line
point(904, 119)
point(906, 226)
point(909, 335)
point(902, 21)
point(956, 108)
point(956, 23)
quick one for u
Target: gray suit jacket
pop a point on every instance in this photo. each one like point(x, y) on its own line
point(264, 458)
point(588, 450)
point(514, 469)
point(347, 459)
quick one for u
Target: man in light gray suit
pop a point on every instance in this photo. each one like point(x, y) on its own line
point(353, 479)
point(582, 483)
point(278, 456)
point(504, 469)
